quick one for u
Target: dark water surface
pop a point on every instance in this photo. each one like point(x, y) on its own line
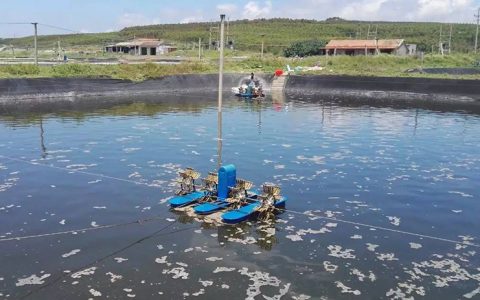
point(409, 170)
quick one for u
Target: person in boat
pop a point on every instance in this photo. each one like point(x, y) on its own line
point(252, 77)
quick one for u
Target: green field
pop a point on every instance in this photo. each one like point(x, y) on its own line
point(382, 65)
point(279, 34)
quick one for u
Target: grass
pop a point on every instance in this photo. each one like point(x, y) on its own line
point(383, 65)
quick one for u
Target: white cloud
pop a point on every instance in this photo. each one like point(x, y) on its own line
point(192, 19)
point(253, 10)
point(381, 10)
point(227, 8)
point(135, 19)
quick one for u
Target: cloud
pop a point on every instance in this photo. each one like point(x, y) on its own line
point(227, 8)
point(253, 10)
point(380, 10)
point(135, 19)
point(191, 19)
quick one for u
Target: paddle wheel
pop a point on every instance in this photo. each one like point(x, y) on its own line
point(269, 198)
point(210, 186)
point(186, 180)
point(239, 193)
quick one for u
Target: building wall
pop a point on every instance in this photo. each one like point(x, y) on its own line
point(402, 50)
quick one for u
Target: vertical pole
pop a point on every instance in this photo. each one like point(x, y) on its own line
point(440, 44)
point(220, 90)
point(199, 48)
point(450, 40)
point(263, 45)
point(35, 43)
point(59, 50)
point(476, 35)
point(210, 39)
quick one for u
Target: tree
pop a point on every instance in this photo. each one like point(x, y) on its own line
point(305, 48)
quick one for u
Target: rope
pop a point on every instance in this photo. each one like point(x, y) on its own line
point(99, 260)
point(383, 228)
point(76, 171)
point(19, 238)
point(287, 210)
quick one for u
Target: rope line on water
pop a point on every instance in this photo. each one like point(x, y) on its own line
point(103, 258)
point(382, 228)
point(19, 238)
point(286, 210)
point(77, 171)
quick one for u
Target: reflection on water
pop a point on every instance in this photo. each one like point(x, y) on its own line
point(404, 169)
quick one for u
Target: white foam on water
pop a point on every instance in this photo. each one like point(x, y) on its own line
point(205, 283)
point(120, 259)
point(386, 256)
point(329, 267)
point(85, 272)
point(294, 237)
point(394, 220)
point(71, 253)
point(223, 269)
point(371, 247)
point(114, 277)
point(347, 290)
point(177, 273)
point(95, 293)
point(32, 280)
point(415, 246)
point(472, 293)
point(336, 251)
point(213, 258)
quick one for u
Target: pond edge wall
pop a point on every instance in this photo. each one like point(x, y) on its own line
point(361, 90)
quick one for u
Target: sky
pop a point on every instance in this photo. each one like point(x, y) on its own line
point(111, 15)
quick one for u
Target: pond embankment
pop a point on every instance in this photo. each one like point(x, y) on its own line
point(31, 93)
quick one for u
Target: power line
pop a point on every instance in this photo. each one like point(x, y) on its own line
point(60, 28)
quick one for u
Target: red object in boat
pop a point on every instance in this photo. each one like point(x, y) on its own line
point(279, 72)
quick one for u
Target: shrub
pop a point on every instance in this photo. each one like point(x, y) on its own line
point(305, 48)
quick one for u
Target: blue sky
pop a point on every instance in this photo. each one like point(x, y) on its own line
point(108, 15)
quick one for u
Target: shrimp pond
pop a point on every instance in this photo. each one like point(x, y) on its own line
point(382, 202)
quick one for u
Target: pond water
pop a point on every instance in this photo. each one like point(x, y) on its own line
point(382, 203)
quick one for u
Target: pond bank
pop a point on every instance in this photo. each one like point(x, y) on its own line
point(16, 93)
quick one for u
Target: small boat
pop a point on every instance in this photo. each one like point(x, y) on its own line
point(251, 90)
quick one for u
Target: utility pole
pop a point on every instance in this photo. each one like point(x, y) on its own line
point(263, 44)
point(450, 40)
point(476, 35)
point(220, 90)
point(35, 25)
point(13, 50)
point(199, 48)
point(59, 50)
point(440, 42)
point(210, 39)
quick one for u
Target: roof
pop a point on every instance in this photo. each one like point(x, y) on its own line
point(362, 44)
point(141, 43)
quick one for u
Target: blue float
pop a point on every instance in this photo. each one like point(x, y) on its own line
point(217, 199)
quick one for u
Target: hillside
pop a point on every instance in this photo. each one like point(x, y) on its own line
point(279, 33)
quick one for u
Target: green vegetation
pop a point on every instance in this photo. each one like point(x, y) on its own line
point(136, 72)
point(305, 48)
point(383, 65)
point(279, 34)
